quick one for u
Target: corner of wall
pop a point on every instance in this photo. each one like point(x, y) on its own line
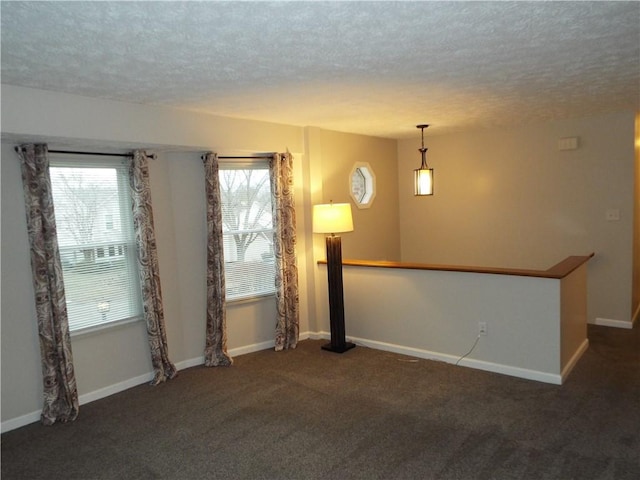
point(635, 296)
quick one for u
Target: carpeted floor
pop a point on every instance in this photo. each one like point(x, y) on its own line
point(367, 414)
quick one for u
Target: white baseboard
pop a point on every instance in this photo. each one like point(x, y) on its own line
point(304, 335)
point(89, 397)
point(574, 359)
point(191, 362)
point(256, 347)
point(20, 421)
point(466, 362)
point(525, 373)
point(608, 322)
point(319, 335)
point(115, 388)
point(236, 352)
point(32, 417)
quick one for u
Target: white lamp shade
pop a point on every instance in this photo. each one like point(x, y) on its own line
point(332, 218)
point(424, 181)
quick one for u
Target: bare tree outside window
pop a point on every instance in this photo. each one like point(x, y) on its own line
point(247, 231)
point(80, 200)
point(246, 207)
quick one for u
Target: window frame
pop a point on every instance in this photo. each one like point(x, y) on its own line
point(257, 164)
point(131, 263)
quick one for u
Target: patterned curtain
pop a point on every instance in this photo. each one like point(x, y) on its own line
point(60, 391)
point(284, 242)
point(148, 267)
point(215, 352)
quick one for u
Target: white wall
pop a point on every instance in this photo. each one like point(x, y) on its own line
point(510, 198)
point(21, 391)
point(435, 314)
point(38, 115)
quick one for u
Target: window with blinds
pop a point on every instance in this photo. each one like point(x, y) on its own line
point(96, 241)
point(247, 229)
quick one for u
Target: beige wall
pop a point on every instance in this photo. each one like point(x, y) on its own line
point(376, 234)
point(331, 156)
point(573, 315)
point(510, 198)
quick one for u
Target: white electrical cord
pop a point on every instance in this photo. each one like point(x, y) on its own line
point(471, 350)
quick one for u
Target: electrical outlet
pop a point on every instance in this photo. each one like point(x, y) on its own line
point(612, 215)
point(482, 328)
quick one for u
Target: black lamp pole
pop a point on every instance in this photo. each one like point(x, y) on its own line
point(336, 298)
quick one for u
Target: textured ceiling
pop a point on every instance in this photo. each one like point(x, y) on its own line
point(376, 68)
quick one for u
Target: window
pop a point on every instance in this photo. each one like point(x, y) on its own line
point(362, 183)
point(97, 249)
point(247, 230)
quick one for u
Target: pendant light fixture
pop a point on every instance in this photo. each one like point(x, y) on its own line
point(424, 174)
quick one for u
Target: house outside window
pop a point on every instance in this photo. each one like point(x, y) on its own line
point(247, 229)
point(97, 249)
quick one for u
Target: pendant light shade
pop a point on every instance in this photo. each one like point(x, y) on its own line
point(423, 175)
point(424, 181)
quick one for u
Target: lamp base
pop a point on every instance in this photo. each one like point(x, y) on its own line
point(338, 348)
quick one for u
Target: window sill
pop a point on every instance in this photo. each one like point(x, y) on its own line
point(82, 332)
point(251, 299)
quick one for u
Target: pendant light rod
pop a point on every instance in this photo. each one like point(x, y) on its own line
point(423, 150)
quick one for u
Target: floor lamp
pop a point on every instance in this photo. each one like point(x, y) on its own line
point(334, 218)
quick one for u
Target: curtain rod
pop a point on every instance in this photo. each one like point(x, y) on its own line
point(240, 158)
point(99, 154)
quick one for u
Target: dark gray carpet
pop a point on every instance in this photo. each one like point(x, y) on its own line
point(307, 414)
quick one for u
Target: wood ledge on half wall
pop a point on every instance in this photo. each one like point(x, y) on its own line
point(558, 271)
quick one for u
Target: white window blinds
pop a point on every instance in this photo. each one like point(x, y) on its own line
point(97, 247)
